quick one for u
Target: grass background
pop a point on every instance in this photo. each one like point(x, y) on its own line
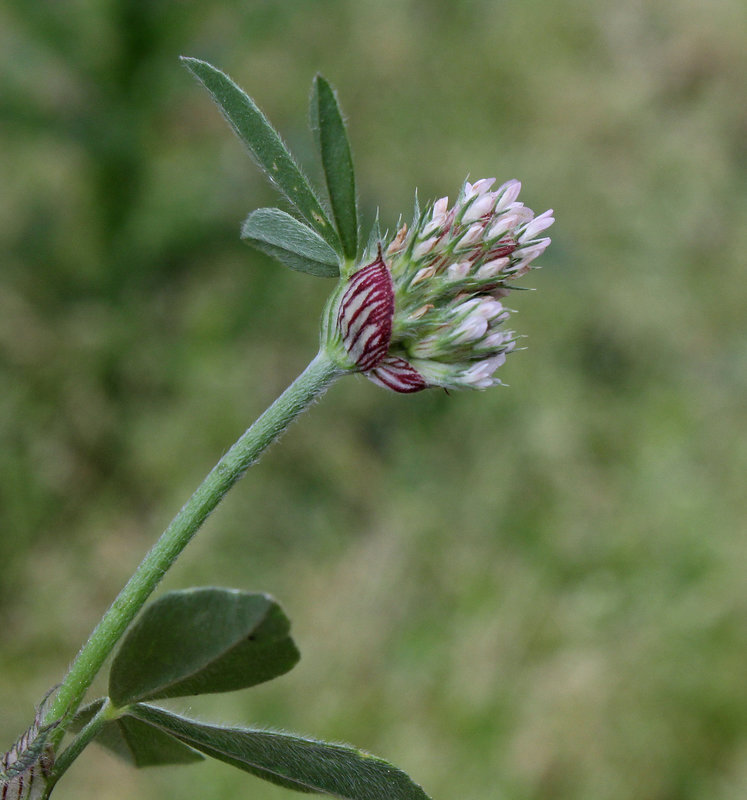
point(531, 593)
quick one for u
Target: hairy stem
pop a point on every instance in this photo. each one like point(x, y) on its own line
point(79, 743)
point(315, 379)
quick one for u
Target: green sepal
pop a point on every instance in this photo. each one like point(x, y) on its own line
point(265, 145)
point(291, 761)
point(199, 641)
point(135, 741)
point(290, 242)
point(374, 240)
point(415, 210)
point(328, 127)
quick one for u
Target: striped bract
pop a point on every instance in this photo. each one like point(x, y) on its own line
point(365, 314)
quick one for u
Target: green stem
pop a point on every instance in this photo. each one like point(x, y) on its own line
point(63, 761)
point(315, 379)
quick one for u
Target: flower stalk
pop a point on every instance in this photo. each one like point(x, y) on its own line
point(310, 385)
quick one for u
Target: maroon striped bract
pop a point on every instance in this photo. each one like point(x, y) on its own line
point(365, 314)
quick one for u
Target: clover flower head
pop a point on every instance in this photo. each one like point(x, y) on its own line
point(427, 310)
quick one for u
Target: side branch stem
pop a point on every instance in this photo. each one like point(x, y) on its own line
point(79, 743)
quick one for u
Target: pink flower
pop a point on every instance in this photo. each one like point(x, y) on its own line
point(426, 309)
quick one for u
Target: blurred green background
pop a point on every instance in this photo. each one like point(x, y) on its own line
point(530, 593)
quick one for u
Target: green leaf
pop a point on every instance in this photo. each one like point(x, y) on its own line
point(329, 129)
point(135, 741)
point(201, 640)
point(265, 145)
point(289, 241)
point(291, 761)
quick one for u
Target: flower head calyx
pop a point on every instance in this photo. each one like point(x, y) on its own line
point(426, 310)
